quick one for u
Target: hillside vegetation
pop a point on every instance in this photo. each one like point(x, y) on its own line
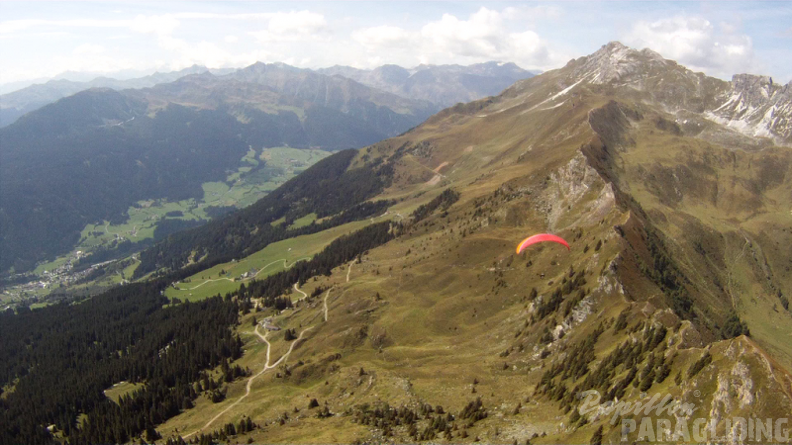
point(675, 283)
point(425, 326)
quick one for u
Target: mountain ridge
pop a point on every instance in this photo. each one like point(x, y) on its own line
point(445, 85)
point(17, 103)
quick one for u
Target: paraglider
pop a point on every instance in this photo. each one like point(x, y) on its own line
point(542, 237)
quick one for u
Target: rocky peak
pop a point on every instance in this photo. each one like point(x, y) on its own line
point(752, 85)
point(616, 61)
point(746, 81)
point(755, 106)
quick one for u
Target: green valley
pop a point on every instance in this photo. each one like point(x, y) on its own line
point(259, 172)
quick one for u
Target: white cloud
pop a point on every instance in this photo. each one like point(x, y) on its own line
point(697, 44)
point(292, 26)
point(231, 39)
point(480, 36)
point(484, 36)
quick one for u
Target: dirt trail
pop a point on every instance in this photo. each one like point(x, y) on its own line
point(437, 169)
point(267, 365)
point(298, 290)
point(349, 271)
point(266, 368)
point(325, 303)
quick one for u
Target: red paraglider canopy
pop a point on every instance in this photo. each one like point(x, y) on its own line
point(540, 238)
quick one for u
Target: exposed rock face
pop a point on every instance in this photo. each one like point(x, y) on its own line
point(757, 107)
point(749, 105)
point(615, 61)
point(568, 187)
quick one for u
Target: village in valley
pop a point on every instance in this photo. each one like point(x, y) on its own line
point(45, 287)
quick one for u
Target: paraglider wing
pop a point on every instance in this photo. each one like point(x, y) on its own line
point(542, 237)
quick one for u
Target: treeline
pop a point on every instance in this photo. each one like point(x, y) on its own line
point(442, 201)
point(340, 251)
point(229, 430)
point(169, 226)
point(58, 360)
point(326, 188)
point(125, 248)
point(424, 423)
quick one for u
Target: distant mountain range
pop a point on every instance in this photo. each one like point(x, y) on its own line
point(444, 85)
point(16, 103)
point(440, 85)
point(88, 157)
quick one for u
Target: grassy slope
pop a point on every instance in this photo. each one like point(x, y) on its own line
point(453, 297)
point(739, 224)
point(440, 334)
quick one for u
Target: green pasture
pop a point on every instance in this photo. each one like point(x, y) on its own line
point(265, 262)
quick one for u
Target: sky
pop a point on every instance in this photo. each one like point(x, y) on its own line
point(127, 39)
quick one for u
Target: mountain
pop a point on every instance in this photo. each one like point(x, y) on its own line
point(439, 85)
point(749, 105)
point(444, 85)
point(10, 87)
point(324, 98)
point(677, 281)
point(16, 103)
point(87, 158)
point(422, 324)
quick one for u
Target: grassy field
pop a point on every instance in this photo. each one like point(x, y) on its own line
point(304, 221)
point(437, 335)
point(118, 390)
point(274, 258)
point(248, 184)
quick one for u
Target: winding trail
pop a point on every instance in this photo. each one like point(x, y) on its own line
point(266, 368)
point(267, 365)
point(298, 290)
point(349, 271)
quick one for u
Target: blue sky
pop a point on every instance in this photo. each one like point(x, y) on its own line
point(43, 39)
